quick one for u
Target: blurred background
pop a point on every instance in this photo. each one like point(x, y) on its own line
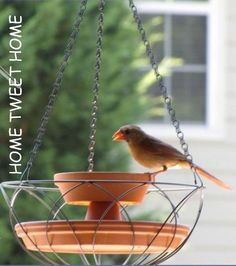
point(195, 44)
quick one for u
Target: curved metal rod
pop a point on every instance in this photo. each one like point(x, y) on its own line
point(47, 206)
point(13, 214)
point(76, 186)
point(7, 199)
point(179, 206)
point(15, 195)
point(164, 254)
point(82, 256)
point(193, 227)
point(140, 259)
point(15, 184)
point(116, 200)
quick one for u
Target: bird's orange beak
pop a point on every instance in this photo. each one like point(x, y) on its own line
point(118, 136)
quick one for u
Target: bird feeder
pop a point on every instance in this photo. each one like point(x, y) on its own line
point(110, 227)
point(107, 230)
point(114, 234)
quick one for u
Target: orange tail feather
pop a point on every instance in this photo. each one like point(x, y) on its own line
point(212, 178)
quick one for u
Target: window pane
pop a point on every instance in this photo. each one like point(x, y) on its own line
point(189, 38)
point(184, 37)
point(154, 26)
point(188, 92)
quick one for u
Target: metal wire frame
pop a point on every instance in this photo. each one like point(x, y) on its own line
point(160, 259)
point(14, 217)
point(115, 200)
point(12, 214)
point(33, 187)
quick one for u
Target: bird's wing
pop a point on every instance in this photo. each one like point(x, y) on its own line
point(162, 149)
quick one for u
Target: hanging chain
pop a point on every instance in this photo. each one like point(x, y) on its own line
point(159, 78)
point(96, 86)
point(55, 87)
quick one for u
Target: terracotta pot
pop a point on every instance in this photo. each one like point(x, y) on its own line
point(103, 211)
point(81, 188)
point(108, 237)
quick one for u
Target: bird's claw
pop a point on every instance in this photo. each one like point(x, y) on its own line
point(164, 168)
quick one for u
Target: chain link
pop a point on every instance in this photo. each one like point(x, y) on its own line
point(162, 87)
point(96, 85)
point(55, 88)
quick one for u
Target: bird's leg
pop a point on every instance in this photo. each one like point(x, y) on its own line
point(164, 168)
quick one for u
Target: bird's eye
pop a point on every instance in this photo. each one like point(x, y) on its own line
point(127, 132)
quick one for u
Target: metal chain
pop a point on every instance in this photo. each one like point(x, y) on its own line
point(55, 88)
point(162, 87)
point(96, 85)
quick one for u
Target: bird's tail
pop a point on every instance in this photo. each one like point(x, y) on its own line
point(210, 177)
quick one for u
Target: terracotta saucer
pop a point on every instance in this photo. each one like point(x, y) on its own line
point(109, 237)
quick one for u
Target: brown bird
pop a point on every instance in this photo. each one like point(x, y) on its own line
point(155, 154)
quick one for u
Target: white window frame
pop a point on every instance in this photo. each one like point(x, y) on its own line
point(213, 129)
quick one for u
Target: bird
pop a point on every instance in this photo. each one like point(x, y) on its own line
point(155, 154)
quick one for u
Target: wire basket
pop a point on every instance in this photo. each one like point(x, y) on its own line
point(103, 217)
